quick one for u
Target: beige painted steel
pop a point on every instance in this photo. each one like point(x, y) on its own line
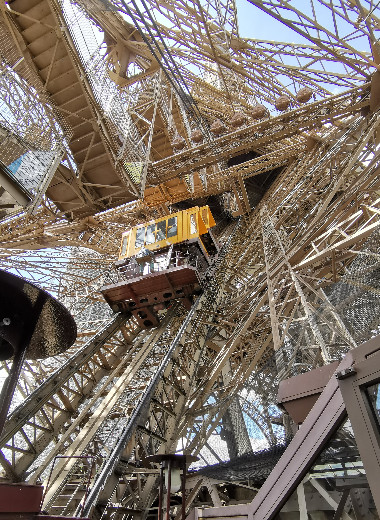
point(300, 239)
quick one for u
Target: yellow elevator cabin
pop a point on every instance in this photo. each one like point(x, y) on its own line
point(161, 261)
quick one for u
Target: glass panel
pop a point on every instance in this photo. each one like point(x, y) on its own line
point(172, 227)
point(339, 475)
point(140, 233)
point(150, 234)
point(373, 393)
point(161, 230)
point(124, 244)
point(341, 456)
point(193, 224)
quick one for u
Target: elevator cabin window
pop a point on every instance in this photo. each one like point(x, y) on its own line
point(124, 244)
point(150, 234)
point(140, 235)
point(172, 227)
point(193, 224)
point(156, 232)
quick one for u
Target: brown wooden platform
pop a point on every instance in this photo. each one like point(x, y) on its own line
point(151, 292)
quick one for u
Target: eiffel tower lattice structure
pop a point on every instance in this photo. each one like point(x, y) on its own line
point(115, 113)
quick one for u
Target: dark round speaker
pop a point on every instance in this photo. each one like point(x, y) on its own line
point(31, 318)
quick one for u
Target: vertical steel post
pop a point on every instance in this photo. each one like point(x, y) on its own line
point(183, 505)
point(168, 490)
point(161, 492)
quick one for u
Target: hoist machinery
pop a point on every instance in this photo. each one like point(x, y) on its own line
point(161, 261)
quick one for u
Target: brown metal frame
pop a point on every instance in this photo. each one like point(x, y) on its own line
point(364, 372)
point(344, 394)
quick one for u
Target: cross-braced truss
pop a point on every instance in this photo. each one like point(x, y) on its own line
point(138, 107)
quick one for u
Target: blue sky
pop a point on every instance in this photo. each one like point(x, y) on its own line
point(254, 23)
